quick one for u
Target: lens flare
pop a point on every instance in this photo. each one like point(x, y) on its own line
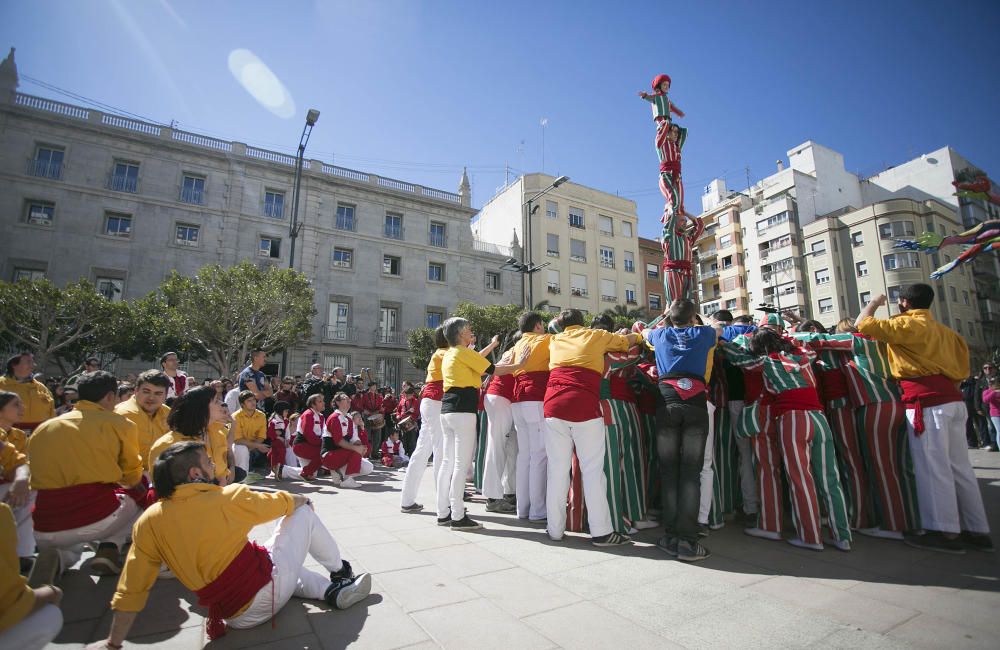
point(262, 84)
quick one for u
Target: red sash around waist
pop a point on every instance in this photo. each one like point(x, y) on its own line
point(676, 265)
point(923, 392)
point(502, 386)
point(832, 384)
point(235, 587)
point(573, 394)
point(620, 389)
point(694, 386)
point(433, 390)
point(530, 386)
point(76, 506)
point(796, 399)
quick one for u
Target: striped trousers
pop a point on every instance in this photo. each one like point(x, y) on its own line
point(756, 421)
point(625, 418)
point(672, 189)
point(725, 494)
point(852, 465)
point(613, 471)
point(482, 441)
point(647, 426)
point(880, 425)
point(827, 475)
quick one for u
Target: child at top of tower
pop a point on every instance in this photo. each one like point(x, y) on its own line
point(662, 106)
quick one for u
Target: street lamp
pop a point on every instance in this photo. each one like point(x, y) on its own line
point(295, 227)
point(526, 252)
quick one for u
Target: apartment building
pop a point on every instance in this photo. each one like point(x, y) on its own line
point(88, 194)
point(586, 241)
point(719, 259)
point(651, 261)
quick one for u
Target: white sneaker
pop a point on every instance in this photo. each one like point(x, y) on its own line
point(839, 544)
point(883, 534)
point(763, 534)
point(336, 478)
point(644, 524)
point(795, 541)
point(349, 483)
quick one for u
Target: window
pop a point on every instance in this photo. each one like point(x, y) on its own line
point(125, 177)
point(731, 303)
point(857, 239)
point(391, 265)
point(434, 318)
point(895, 229)
point(725, 241)
point(822, 276)
point(435, 272)
point(274, 204)
point(825, 305)
point(186, 234)
point(727, 261)
point(724, 219)
point(628, 261)
point(965, 297)
point(652, 271)
point(818, 248)
point(492, 281)
point(193, 189)
point(607, 257)
point(577, 250)
point(731, 283)
point(606, 225)
point(552, 245)
point(609, 290)
point(578, 284)
point(331, 361)
point(630, 294)
point(388, 321)
point(39, 213)
point(21, 273)
point(345, 217)
point(551, 210)
point(953, 294)
point(866, 297)
point(553, 282)
point(343, 257)
point(118, 225)
point(895, 261)
point(111, 288)
point(626, 229)
point(655, 303)
point(437, 234)
point(894, 292)
point(576, 218)
point(269, 247)
point(958, 325)
point(777, 219)
point(48, 163)
point(861, 269)
point(394, 226)
point(339, 320)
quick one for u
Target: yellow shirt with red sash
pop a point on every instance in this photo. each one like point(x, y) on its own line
point(38, 403)
point(530, 380)
point(434, 381)
point(200, 532)
point(216, 446)
point(576, 366)
point(15, 437)
point(16, 598)
point(149, 428)
point(80, 461)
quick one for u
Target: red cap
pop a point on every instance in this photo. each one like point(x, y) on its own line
point(660, 78)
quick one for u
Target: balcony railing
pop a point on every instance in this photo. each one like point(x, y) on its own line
point(578, 292)
point(437, 239)
point(192, 195)
point(710, 273)
point(609, 298)
point(608, 264)
point(578, 258)
point(345, 223)
point(631, 301)
point(552, 253)
point(274, 210)
point(392, 231)
point(44, 169)
point(488, 247)
point(576, 224)
point(629, 266)
point(390, 337)
point(123, 184)
point(553, 288)
point(341, 333)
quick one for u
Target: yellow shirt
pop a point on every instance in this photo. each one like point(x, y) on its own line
point(16, 597)
point(251, 427)
point(919, 346)
point(10, 459)
point(149, 427)
point(215, 445)
point(584, 348)
point(86, 445)
point(15, 437)
point(197, 532)
point(538, 358)
point(463, 368)
point(38, 403)
point(218, 440)
point(434, 367)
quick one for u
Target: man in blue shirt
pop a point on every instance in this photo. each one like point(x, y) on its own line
point(252, 379)
point(683, 351)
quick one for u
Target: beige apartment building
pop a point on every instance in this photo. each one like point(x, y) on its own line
point(586, 241)
point(651, 260)
point(719, 258)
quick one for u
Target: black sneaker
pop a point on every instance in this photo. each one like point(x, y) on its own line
point(692, 552)
point(977, 541)
point(466, 524)
point(935, 541)
point(341, 594)
point(668, 544)
point(107, 560)
point(413, 507)
point(499, 505)
point(611, 539)
point(346, 573)
point(511, 499)
point(446, 520)
point(702, 530)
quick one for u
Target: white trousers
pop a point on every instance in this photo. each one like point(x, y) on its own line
point(501, 420)
point(241, 457)
point(114, 529)
point(429, 441)
point(588, 439)
point(459, 445)
point(707, 470)
point(299, 534)
point(34, 631)
point(947, 492)
point(366, 468)
point(532, 461)
point(25, 524)
point(748, 483)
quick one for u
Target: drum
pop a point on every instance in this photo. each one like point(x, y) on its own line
point(407, 424)
point(376, 421)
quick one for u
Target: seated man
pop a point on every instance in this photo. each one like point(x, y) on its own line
point(241, 583)
point(80, 462)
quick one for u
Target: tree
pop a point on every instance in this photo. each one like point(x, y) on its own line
point(56, 325)
point(488, 321)
point(421, 344)
point(623, 316)
point(226, 312)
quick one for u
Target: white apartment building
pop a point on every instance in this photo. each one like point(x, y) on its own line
point(587, 238)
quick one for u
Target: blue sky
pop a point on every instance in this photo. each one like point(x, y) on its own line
point(416, 90)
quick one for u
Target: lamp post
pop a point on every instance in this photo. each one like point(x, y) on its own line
point(526, 252)
point(295, 227)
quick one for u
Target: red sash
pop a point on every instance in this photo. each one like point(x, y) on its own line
point(923, 392)
point(502, 386)
point(530, 386)
point(433, 390)
point(620, 389)
point(696, 387)
point(76, 506)
point(573, 394)
point(832, 384)
point(235, 587)
point(796, 399)
point(676, 265)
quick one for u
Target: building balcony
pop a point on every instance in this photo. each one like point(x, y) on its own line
point(192, 195)
point(341, 334)
point(576, 224)
point(609, 298)
point(123, 184)
point(710, 273)
point(607, 264)
point(394, 338)
point(579, 292)
point(45, 169)
point(553, 288)
point(578, 258)
point(551, 253)
point(437, 239)
point(629, 267)
point(393, 232)
point(631, 301)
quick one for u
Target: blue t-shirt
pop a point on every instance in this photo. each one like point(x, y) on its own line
point(682, 349)
point(256, 376)
point(730, 332)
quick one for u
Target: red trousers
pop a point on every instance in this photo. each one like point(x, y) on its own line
point(880, 425)
point(852, 464)
point(310, 453)
point(276, 455)
point(339, 457)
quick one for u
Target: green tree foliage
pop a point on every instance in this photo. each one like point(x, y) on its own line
point(226, 312)
point(421, 344)
point(488, 321)
point(625, 317)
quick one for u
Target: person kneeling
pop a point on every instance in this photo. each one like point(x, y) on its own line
point(392, 451)
point(242, 584)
